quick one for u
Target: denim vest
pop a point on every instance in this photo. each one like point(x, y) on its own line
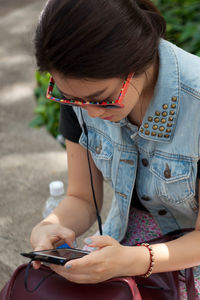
point(161, 156)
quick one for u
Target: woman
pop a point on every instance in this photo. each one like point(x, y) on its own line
point(136, 99)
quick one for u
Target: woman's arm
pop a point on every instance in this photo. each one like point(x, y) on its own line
point(76, 213)
point(77, 210)
point(178, 254)
point(113, 259)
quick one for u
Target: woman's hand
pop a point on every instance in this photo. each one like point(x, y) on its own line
point(48, 236)
point(110, 260)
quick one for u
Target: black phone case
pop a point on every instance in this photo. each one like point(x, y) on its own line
point(54, 260)
point(46, 259)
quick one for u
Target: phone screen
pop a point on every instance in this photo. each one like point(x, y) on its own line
point(63, 253)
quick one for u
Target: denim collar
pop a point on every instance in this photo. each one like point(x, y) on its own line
point(160, 119)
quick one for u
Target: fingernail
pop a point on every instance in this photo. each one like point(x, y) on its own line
point(68, 267)
point(88, 241)
point(75, 245)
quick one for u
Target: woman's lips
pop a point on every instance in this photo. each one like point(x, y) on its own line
point(107, 118)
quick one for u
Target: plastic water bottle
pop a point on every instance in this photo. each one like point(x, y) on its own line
point(57, 194)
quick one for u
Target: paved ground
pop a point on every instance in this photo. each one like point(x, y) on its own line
point(29, 158)
point(8, 6)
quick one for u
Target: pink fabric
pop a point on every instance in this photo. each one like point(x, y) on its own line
point(143, 227)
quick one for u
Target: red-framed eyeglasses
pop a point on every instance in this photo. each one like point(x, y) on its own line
point(77, 102)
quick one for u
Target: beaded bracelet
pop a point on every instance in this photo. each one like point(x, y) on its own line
point(151, 252)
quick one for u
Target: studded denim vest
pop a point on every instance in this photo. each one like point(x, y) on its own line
point(160, 157)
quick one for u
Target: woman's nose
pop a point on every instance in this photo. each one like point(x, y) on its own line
point(95, 112)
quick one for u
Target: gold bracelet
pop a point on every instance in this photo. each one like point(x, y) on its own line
point(152, 260)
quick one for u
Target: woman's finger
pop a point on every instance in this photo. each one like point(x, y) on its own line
point(100, 241)
point(36, 265)
point(63, 235)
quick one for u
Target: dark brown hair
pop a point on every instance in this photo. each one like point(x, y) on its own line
point(98, 38)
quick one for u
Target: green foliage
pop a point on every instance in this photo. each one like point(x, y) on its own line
point(183, 29)
point(47, 112)
point(183, 22)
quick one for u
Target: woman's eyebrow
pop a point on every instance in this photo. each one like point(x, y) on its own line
point(96, 94)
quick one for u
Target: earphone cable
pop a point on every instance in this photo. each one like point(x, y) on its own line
point(91, 179)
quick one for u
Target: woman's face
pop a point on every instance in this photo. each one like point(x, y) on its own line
point(107, 89)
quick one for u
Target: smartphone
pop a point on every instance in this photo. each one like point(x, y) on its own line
point(56, 256)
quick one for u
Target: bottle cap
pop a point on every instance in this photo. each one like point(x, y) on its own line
point(56, 188)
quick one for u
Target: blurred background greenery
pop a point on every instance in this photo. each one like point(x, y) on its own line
point(183, 22)
point(183, 29)
point(47, 112)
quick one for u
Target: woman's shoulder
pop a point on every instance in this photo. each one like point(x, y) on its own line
point(188, 66)
point(182, 55)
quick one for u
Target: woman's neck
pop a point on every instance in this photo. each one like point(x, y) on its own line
point(149, 79)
